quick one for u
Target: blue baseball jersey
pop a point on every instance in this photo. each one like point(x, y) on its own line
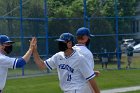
point(73, 71)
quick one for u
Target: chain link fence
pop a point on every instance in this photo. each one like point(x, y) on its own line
point(111, 21)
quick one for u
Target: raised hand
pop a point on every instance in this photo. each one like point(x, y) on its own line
point(33, 43)
point(40, 63)
point(28, 54)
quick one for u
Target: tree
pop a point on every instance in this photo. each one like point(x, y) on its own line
point(7, 10)
point(66, 9)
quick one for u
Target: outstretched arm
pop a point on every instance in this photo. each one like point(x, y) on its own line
point(40, 63)
point(94, 85)
point(28, 54)
point(20, 62)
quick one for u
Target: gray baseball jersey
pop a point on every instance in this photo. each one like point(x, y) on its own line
point(73, 71)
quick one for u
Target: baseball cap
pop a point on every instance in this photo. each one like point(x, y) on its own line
point(5, 39)
point(83, 31)
point(66, 37)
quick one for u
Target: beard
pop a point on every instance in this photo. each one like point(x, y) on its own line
point(88, 42)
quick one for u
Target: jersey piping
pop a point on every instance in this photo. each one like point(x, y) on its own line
point(93, 75)
point(48, 65)
point(14, 66)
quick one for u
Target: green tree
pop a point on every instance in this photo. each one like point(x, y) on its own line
point(8, 25)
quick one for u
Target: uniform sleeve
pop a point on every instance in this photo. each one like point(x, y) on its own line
point(8, 62)
point(20, 62)
point(86, 69)
point(51, 62)
point(90, 59)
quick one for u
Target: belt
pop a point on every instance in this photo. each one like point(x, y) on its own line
point(0, 91)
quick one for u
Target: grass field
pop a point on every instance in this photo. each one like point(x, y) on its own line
point(31, 68)
point(109, 78)
point(49, 83)
point(113, 63)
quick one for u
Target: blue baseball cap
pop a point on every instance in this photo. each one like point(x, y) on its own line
point(5, 39)
point(83, 31)
point(65, 37)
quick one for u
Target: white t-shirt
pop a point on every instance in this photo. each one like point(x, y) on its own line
point(86, 53)
point(5, 63)
point(73, 71)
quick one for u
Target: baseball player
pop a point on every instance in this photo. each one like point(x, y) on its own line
point(73, 72)
point(83, 39)
point(8, 62)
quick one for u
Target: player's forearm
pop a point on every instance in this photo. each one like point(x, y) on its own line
point(27, 56)
point(38, 60)
point(94, 86)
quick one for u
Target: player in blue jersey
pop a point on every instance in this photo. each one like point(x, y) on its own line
point(74, 72)
point(9, 62)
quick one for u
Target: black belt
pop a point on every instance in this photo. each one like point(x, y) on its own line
point(0, 91)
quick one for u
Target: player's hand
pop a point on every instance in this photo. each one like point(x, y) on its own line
point(35, 46)
point(97, 73)
point(33, 43)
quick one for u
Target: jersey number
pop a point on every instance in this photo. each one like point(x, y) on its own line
point(69, 77)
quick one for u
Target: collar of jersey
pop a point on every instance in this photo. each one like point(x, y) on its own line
point(70, 55)
point(80, 45)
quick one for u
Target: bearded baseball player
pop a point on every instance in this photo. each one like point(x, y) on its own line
point(83, 39)
point(9, 62)
point(73, 70)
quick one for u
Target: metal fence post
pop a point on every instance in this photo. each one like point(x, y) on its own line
point(117, 32)
point(85, 13)
point(21, 33)
point(46, 27)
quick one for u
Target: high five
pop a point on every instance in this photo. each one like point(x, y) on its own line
point(73, 70)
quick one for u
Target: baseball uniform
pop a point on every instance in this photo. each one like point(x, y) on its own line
point(82, 49)
point(73, 72)
point(5, 63)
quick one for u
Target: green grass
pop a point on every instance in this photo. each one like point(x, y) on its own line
point(49, 83)
point(118, 78)
point(31, 67)
point(113, 63)
point(42, 84)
